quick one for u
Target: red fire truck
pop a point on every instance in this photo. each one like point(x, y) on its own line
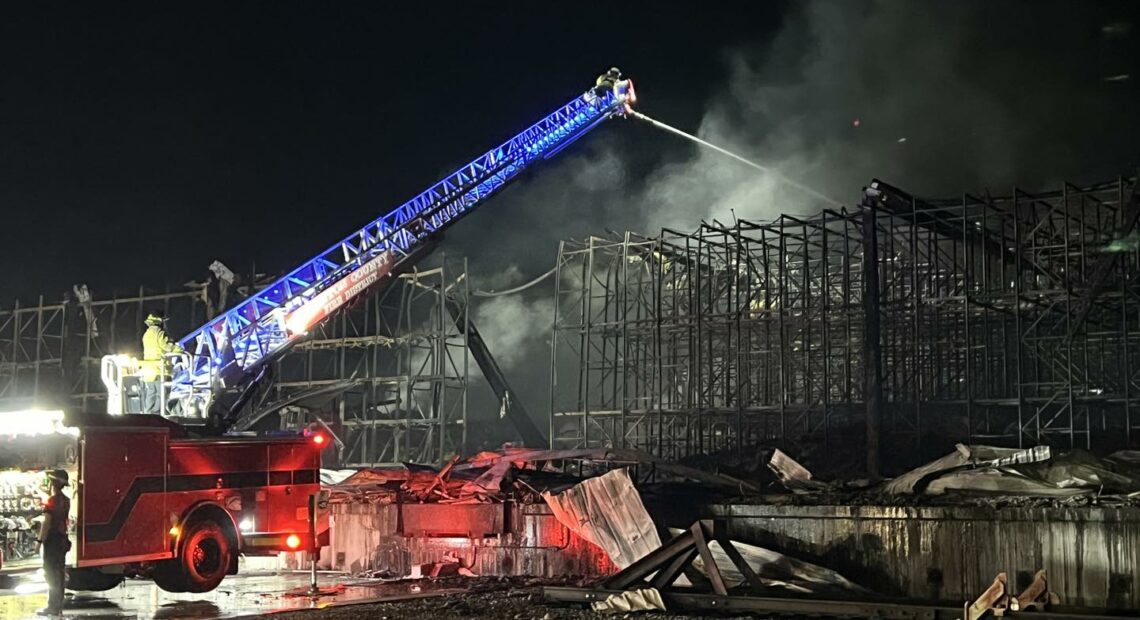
point(154, 502)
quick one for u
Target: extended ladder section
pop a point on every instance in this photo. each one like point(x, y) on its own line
point(232, 346)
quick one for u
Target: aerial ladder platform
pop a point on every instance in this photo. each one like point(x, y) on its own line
point(226, 358)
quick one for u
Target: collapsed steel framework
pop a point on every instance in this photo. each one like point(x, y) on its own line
point(1008, 320)
point(388, 377)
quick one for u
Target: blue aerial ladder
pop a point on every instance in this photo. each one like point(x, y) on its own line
point(233, 351)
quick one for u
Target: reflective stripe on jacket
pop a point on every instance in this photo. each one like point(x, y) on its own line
point(155, 344)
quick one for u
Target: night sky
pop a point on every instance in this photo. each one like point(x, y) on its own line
point(140, 142)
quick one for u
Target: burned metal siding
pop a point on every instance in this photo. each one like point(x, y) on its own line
point(951, 554)
point(368, 537)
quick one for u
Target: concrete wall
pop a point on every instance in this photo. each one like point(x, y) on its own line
point(370, 537)
point(1092, 554)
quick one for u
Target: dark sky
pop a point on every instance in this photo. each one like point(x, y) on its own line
point(140, 142)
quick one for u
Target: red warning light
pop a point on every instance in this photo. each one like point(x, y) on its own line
point(319, 439)
point(293, 541)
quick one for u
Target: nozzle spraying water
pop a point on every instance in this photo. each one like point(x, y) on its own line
point(764, 169)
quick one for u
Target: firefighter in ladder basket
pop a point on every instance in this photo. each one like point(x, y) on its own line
point(154, 367)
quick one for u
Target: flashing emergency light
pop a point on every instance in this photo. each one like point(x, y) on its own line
point(319, 439)
point(34, 422)
point(174, 531)
point(293, 541)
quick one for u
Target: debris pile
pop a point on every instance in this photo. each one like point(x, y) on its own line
point(608, 511)
point(1036, 472)
point(513, 474)
point(973, 475)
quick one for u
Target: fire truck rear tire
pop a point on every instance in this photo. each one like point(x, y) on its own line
point(168, 576)
point(205, 557)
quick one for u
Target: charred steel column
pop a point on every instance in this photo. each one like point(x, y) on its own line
point(872, 346)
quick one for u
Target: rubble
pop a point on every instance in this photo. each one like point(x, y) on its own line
point(483, 599)
point(776, 572)
point(1037, 472)
point(968, 475)
point(607, 510)
point(517, 474)
point(795, 477)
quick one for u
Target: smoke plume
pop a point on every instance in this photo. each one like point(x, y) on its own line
point(936, 98)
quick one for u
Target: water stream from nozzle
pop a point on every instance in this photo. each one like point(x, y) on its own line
point(764, 169)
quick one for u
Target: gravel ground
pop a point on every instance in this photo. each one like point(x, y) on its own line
point(483, 600)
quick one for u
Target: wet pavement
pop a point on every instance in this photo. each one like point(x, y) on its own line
point(22, 593)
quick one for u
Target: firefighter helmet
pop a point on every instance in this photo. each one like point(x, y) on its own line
point(58, 475)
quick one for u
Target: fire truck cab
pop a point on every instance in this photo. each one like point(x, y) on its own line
point(154, 502)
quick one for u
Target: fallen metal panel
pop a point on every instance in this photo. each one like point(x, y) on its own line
point(1033, 472)
point(645, 599)
point(916, 481)
point(608, 512)
point(792, 475)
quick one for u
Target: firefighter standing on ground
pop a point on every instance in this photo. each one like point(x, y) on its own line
point(154, 367)
point(53, 537)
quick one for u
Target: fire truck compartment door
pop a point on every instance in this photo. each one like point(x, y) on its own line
point(123, 512)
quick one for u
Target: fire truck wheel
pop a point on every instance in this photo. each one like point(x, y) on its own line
point(168, 576)
point(206, 556)
point(91, 580)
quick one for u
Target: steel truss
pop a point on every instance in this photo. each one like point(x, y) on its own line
point(1002, 320)
point(407, 364)
point(399, 360)
point(50, 352)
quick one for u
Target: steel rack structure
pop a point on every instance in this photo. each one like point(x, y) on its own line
point(50, 352)
point(1010, 320)
point(405, 366)
point(399, 363)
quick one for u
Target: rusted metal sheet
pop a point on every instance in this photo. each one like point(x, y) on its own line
point(951, 554)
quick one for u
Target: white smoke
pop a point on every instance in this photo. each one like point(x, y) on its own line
point(934, 98)
point(514, 328)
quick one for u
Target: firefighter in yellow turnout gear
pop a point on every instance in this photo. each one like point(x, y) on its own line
point(154, 367)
